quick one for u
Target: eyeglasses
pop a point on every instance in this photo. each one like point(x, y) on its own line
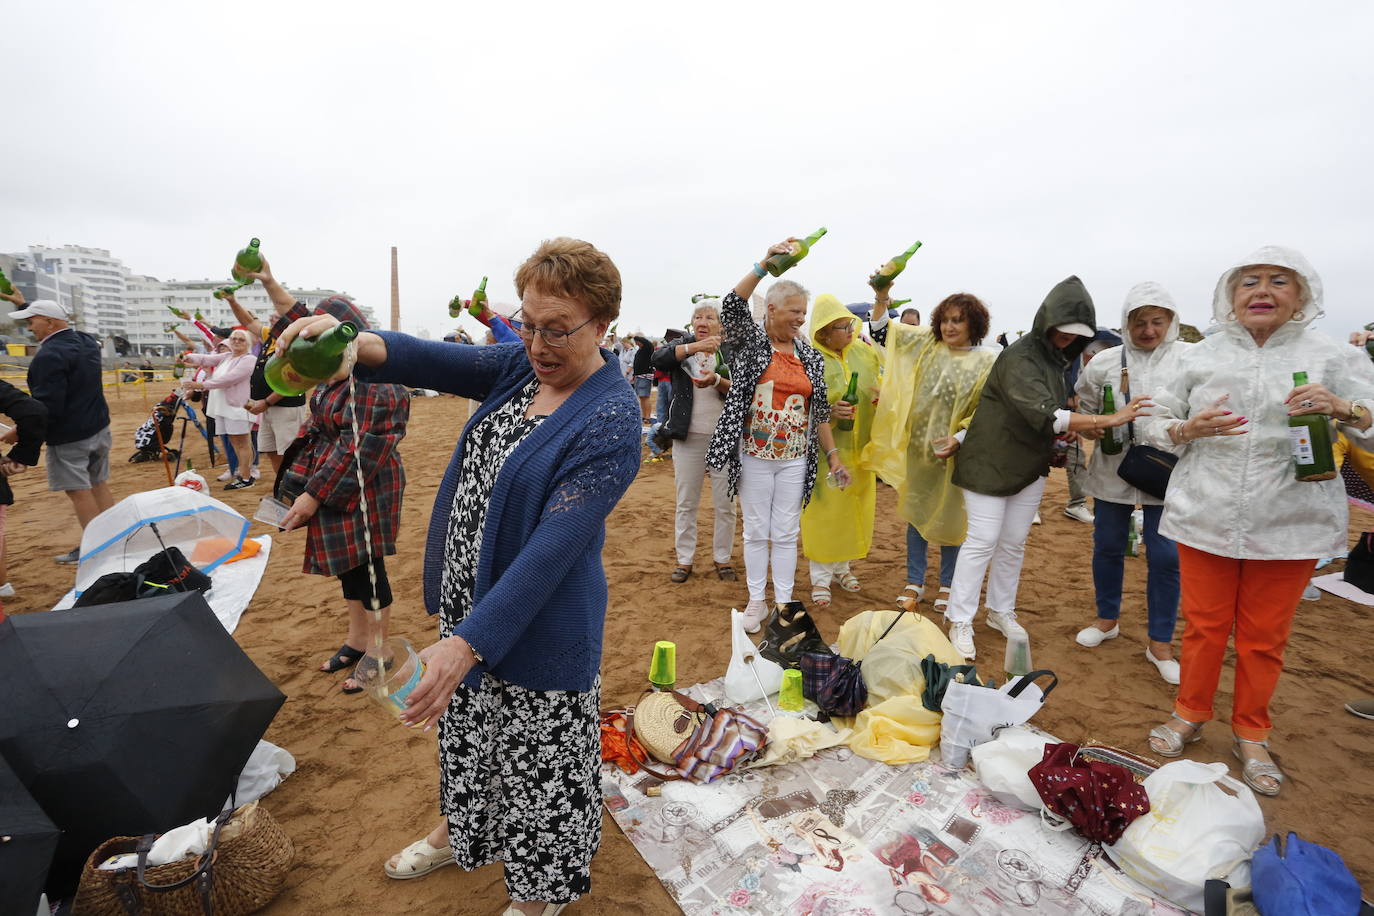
point(553, 337)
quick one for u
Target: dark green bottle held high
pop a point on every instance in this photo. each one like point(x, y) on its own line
point(851, 397)
point(1310, 437)
point(224, 292)
point(1111, 437)
point(778, 264)
point(889, 271)
point(247, 260)
point(309, 361)
point(478, 303)
point(6, 287)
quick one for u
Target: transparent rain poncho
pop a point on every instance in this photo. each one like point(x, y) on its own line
point(928, 391)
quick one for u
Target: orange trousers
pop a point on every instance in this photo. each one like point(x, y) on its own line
point(1255, 600)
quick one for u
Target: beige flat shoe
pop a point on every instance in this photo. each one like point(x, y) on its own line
point(419, 859)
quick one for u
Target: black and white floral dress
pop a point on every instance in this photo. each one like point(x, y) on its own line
point(518, 768)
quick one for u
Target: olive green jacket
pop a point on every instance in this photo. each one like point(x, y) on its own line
point(1011, 437)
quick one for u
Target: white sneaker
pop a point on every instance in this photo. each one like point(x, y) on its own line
point(1311, 593)
point(1079, 514)
point(755, 613)
point(1036, 520)
point(961, 637)
point(1168, 668)
point(1092, 637)
point(226, 476)
point(6, 591)
point(1006, 624)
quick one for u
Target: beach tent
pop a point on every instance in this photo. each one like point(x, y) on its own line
point(125, 719)
point(127, 533)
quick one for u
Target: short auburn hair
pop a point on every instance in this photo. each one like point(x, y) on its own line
point(968, 305)
point(573, 269)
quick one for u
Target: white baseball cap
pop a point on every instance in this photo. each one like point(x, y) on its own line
point(1077, 327)
point(47, 308)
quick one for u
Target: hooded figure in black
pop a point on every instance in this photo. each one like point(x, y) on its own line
point(1004, 459)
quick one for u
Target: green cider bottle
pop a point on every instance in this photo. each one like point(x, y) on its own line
point(248, 259)
point(1111, 437)
point(897, 303)
point(179, 369)
point(456, 306)
point(851, 396)
point(224, 292)
point(309, 361)
point(6, 287)
point(889, 271)
point(478, 303)
point(1310, 437)
point(722, 367)
point(779, 264)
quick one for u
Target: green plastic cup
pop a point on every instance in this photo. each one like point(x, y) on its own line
point(790, 696)
point(663, 665)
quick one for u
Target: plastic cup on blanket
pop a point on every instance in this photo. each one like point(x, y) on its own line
point(1018, 658)
point(389, 677)
point(790, 697)
point(663, 665)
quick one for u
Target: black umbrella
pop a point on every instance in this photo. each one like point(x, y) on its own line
point(27, 842)
point(126, 719)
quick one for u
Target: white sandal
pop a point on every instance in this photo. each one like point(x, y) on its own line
point(910, 597)
point(849, 582)
point(419, 859)
point(942, 604)
point(1252, 770)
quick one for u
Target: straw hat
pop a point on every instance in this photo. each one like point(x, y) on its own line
point(662, 723)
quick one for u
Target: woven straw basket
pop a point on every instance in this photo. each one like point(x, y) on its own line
point(661, 724)
point(248, 871)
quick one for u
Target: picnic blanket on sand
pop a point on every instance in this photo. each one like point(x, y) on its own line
point(234, 586)
point(840, 834)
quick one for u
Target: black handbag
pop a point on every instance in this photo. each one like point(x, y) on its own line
point(1143, 466)
point(169, 567)
point(1359, 565)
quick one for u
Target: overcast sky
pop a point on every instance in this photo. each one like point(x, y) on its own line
point(1020, 142)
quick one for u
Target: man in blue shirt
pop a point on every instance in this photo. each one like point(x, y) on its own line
point(65, 377)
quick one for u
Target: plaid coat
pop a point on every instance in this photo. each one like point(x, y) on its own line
point(325, 469)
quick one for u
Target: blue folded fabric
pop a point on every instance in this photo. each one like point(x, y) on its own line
point(1302, 879)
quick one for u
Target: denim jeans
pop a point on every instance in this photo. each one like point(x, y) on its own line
point(916, 549)
point(665, 398)
point(1111, 525)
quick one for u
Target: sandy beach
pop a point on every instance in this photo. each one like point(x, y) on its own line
point(366, 787)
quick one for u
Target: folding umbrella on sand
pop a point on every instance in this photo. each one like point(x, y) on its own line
point(136, 527)
point(126, 719)
point(27, 842)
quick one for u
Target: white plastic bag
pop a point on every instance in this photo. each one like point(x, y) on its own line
point(1201, 824)
point(1003, 765)
point(973, 714)
point(740, 685)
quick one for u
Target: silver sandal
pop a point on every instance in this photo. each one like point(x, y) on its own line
point(1252, 771)
point(1173, 741)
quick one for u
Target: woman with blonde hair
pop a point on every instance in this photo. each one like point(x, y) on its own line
point(837, 525)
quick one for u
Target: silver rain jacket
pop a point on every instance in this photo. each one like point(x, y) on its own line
point(1235, 496)
point(1147, 371)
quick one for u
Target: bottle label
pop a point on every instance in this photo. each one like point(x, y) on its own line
point(1300, 438)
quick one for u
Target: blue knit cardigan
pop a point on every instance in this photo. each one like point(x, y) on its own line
point(539, 603)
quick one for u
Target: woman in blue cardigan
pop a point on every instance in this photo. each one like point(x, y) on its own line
point(513, 569)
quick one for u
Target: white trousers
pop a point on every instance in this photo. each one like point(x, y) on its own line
point(689, 473)
point(770, 495)
point(997, 530)
point(822, 574)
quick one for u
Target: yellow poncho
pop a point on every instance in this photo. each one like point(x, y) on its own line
point(837, 525)
point(928, 391)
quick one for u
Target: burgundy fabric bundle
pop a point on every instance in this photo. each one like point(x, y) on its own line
point(1099, 799)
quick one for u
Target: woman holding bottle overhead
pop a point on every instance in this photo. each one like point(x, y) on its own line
point(1003, 461)
point(1146, 360)
point(1249, 531)
point(932, 379)
point(837, 525)
point(775, 425)
point(228, 385)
